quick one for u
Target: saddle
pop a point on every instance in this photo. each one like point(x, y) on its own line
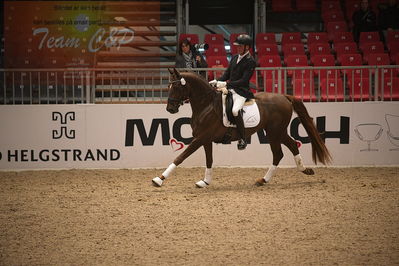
point(250, 115)
point(250, 112)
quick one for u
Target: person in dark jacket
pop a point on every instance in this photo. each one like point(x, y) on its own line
point(389, 16)
point(364, 20)
point(188, 57)
point(236, 79)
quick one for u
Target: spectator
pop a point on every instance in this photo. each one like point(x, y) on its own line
point(188, 57)
point(389, 16)
point(364, 20)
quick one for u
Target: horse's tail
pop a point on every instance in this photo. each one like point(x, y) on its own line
point(319, 150)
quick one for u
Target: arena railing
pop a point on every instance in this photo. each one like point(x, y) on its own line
point(311, 84)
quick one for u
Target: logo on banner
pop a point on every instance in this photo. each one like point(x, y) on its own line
point(63, 131)
point(176, 145)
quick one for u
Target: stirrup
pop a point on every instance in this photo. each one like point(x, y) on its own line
point(241, 145)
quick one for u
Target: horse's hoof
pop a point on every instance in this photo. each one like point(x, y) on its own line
point(157, 182)
point(201, 184)
point(308, 171)
point(260, 182)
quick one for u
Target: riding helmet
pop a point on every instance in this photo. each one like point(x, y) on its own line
point(243, 39)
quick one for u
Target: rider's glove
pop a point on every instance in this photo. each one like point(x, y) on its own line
point(221, 84)
point(224, 90)
point(213, 82)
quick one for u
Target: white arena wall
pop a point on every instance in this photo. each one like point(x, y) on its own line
point(142, 136)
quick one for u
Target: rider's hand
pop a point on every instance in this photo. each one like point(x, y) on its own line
point(221, 84)
point(213, 82)
point(223, 90)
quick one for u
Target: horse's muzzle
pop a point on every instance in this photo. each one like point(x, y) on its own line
point(172, 109)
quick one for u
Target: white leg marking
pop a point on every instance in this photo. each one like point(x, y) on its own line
point(207, 179)
point(157, 181)
point(270, 173)
point(299, 162)
point(169, 170)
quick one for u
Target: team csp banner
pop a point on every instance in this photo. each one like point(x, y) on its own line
point(138, 136)
point(48, 34)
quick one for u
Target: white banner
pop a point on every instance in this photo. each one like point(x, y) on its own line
point(138, 136)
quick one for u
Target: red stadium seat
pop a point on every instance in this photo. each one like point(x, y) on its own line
point(216, 62)
point(371, 48)
point(211, 39)
point(293, 48)
point(342, 36)
point(353, 60)
point(317, 37)
point(271, 85)
point(270, 61)
point(282, 6)
point(332, 89)
point(393, 48)
point(306, 5)
point(332, 15)
point(265, 38)
point(216, 50)
point(350, 59)
point(393, 36)
point(390, 89)
point(335, 26)
point(359, 89)
point(267, 49)
point(298, 61)
point(370, 36)
point(193, 38)
point(381, 59)
point(319, 48)
point(304, 89)
point(290, 37)
point(345, 48)
point(324, 61)
point(378, 59)
point(330, 5)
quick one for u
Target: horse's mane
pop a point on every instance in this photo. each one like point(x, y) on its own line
point(200, 81)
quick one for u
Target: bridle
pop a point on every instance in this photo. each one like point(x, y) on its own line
point(175, 101)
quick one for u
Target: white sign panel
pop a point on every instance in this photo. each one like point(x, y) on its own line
point(138, 136)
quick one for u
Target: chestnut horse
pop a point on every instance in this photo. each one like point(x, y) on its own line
point(207, 125)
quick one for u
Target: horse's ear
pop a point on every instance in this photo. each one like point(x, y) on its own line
point(177, 73)
point(170, 71)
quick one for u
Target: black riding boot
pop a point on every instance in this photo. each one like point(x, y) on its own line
point(242, 144)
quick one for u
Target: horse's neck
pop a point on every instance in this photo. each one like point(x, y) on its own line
point(201, 97)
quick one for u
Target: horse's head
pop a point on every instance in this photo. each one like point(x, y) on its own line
point(178, 91)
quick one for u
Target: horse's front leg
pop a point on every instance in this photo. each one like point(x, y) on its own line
point(208, 170)
point(195, 144)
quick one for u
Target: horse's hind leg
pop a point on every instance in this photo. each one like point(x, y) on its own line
point(292, 146)
point(275, 145)
point(208, 170)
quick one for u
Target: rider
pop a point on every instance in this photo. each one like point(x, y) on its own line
point(236, 78)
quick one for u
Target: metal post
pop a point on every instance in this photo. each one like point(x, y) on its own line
point(179, 5)
point(88, 87)
point(263, 16)
point(187, 17)
point(256, 17)
point(376, 82)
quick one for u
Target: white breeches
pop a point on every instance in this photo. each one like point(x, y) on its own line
point(238, 103)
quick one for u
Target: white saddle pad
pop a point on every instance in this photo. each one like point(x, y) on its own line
point(250, 116)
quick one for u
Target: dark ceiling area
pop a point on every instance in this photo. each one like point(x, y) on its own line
point(210, 12)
